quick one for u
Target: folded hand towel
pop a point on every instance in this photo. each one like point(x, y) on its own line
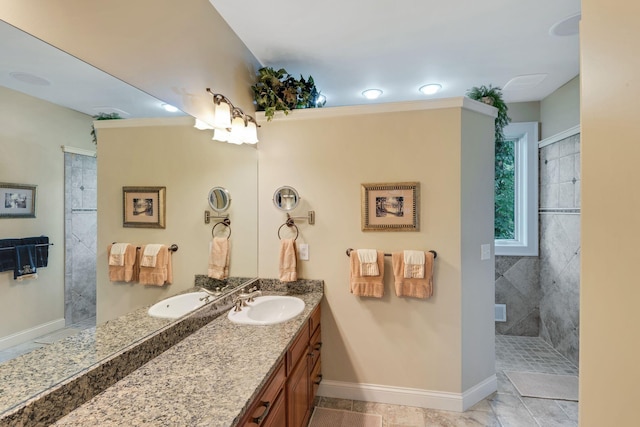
point(127, 272)
point(288, 260)
point(219, 250)
point(412, 287)
point(116, 254)
point(25, 267)
point(162, 272)
point(366, 286)
point(150, 255)
point(414, 264)
point(368, 262)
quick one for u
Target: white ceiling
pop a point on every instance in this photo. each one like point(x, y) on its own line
point(57, 77)
point(398, 46)
point(347, 47)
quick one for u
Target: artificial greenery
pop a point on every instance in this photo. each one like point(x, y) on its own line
point(505, 162)
point(102, 116)
point(278, 90)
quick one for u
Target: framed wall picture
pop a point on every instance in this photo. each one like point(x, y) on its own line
point(17, 200)
point(390, 206)
point(144, 207)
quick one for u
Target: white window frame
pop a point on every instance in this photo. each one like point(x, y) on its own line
point(525, 242)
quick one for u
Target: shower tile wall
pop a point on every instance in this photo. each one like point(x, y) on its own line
point(80, 237)
point(518, 286)
point(560, 245)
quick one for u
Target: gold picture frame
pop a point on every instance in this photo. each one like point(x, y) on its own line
point(390, 206)
point(143, 207)
point(17, 200)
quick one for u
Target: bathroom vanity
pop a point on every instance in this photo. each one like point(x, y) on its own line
point(223, 374)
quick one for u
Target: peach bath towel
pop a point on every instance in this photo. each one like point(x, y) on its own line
point(288, 260)
point(162, 272)
point(219, 251)
point(366, 286)
point(128, 270)
point(413, 287)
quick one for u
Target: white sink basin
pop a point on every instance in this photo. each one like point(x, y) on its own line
point(177, 306)
point(268, 310)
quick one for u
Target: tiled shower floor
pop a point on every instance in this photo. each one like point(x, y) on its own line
point(506, 408)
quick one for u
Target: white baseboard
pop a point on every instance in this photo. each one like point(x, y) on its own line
point(30, 334)
point(446, 401)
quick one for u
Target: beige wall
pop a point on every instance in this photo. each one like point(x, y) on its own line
point(31, 134)
point(561, 110)
point(390, 341)
point(609, 293)
point(170, 49)
point(524, 111)
point(477, 159)
point(188, 163)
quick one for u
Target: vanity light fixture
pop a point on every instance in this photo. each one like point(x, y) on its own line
point(372, 93)
point(230, 123)
point(430, 89)
point(201, 125)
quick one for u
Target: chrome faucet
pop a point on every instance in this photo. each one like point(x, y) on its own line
point(244, 297)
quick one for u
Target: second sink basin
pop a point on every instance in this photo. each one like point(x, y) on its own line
point(268, 310)
point(177, 306)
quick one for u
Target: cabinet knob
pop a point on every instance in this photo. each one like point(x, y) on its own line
point(267, 408)
point(318, 379)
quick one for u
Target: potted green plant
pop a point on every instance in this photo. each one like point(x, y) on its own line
point(277, 90)
point(102, 116)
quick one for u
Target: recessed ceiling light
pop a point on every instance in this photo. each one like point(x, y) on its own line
point(31, 79)
point(170, 108)
point(372, 93)
point(430, 89)
point(568, 26)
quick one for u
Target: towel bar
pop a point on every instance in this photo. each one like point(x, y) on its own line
point(13, 247)
point(172, 248)
point(435, 254)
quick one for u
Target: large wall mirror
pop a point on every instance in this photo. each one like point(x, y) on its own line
point(48, 99)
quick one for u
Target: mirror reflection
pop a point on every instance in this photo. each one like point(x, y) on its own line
point(219, 199)
point(286, 198)
point(48, 100)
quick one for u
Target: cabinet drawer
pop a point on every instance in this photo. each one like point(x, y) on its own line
point(314, 348)
point(298, 349)
point(314, 320)
point(266, 401)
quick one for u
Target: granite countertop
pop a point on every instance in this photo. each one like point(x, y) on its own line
point(207, 379)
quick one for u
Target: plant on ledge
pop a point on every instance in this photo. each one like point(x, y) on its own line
point(102, 116)
point(279, 90)
point(505, 162)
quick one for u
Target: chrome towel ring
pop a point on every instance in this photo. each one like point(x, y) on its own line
point(226, 222)
point(289, 223)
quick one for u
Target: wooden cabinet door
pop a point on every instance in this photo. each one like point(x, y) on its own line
point(298, 395)
point(278, 415)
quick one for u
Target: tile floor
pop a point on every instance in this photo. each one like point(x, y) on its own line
point(506, 408)
point(15, 351)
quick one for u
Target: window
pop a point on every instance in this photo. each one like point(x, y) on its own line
point(516, 186)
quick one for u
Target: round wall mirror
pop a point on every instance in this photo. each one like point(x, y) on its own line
point(286, 198)
point(219, 199)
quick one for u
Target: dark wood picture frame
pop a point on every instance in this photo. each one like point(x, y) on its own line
point(143, 207)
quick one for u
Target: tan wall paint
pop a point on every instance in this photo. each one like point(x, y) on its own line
point(561, 110)
point(170, 49)
point(31, 134)
point(388, 341)
point(609, 293)
point(477, 226)
point(188, 163)
point(524, 111)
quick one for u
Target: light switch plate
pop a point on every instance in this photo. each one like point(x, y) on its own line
point(485, 252)
point(303, 251)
